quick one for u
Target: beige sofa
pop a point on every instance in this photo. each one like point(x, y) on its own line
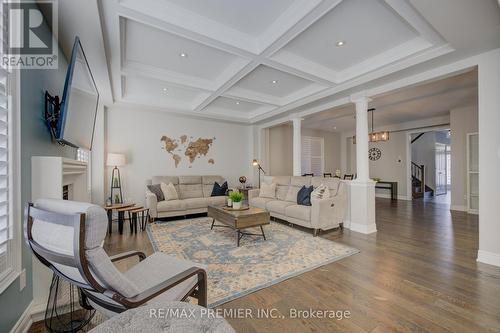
point(323, 214)
point(194, 195)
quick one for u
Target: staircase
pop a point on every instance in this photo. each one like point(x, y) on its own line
point(418, 188)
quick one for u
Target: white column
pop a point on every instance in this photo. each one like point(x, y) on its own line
point(362, 189)
point(362, 162)
point(297, 145)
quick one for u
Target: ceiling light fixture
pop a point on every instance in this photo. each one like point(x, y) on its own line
point(183, 55)
point(374, 136)
point(340, 43)
point(237, 103)
point(274, 81)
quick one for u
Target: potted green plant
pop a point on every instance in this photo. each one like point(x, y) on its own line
point(236, 198)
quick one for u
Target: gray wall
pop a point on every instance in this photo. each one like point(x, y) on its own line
point(35, 140)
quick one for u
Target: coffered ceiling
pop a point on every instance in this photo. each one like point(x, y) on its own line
point(246, 60)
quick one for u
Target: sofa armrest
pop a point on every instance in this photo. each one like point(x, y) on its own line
point(151, 203)
point(253, 193)
point(327, 213)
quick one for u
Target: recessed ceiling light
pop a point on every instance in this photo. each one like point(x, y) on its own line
point(340, 43)
point(334, 128)
point(274, 81)
point(237, 103)
point(183, 55)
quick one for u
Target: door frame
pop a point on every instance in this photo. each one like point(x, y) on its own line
point(408, 151)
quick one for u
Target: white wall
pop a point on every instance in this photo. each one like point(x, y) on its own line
point(390, 167)
point(489, 157)
point(462, 121)
point(423, 152)
point(137, 133)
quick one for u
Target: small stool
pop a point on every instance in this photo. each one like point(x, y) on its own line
point(109, 212)
point(121, 216)
point(143, 218)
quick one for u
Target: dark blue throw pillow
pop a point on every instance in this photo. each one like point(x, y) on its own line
point(219, 190)
point(304, 196)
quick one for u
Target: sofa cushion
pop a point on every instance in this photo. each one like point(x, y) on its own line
point(190, 180)
point(169, 191)
point(278, 206)
point(194, 203)
point(165, 179)
point(260, 202)
point(219, 190)
point(208, 184)
point(300, 181)
point(156, 190)
point(281, 191)
point(268, 191)
point(299, 212)
point(331, 183)
point(292, 193)
point(281, 180)
point(188, 191)
point(172, 205)
point(217, 201)
point(321, 192)
point(304, 196)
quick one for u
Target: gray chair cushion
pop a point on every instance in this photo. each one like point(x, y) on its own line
point(96, 223)
point(107, 273)
point(159, 267)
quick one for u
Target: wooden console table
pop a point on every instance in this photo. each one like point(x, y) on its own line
point(392, 186)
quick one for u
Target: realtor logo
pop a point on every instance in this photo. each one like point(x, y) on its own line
point(29, 34)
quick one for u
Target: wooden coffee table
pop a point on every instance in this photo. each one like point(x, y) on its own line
point(239, 220)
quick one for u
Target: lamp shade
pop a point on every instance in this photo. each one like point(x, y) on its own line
point(116, 160)
point(255, 162)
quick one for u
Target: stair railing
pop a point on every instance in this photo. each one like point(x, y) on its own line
point(418, 173)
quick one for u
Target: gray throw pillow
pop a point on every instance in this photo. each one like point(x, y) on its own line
point(156, 190)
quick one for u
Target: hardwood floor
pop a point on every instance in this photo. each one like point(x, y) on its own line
point(416, 274)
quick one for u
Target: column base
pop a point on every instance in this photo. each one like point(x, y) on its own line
point(362, 195)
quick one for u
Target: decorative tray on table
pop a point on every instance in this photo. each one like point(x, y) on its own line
point(234, 209)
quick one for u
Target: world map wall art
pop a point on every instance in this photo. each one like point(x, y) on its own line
point(187, 148)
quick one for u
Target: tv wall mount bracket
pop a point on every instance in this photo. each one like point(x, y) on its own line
point(52, 113)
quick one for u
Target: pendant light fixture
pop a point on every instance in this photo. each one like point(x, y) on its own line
point(374, 136)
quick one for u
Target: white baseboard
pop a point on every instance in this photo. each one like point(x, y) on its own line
point(38, 312)
point(460, 208)
point(489, 258)
point(363, 228)
point(388, 196)
point(24, 322)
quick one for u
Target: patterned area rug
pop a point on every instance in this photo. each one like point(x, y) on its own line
point(237, 271)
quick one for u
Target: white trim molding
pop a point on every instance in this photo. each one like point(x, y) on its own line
point(458, 208)
point(489, 258)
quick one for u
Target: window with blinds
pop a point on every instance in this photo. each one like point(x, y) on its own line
point(312, 155)
point(6, 231)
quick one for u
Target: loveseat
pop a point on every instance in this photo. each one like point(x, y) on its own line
point(194, 195)
point(323, 214)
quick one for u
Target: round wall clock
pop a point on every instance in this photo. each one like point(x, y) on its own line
point(374, 154)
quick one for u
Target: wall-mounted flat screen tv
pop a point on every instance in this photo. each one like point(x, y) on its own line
point(79, 103)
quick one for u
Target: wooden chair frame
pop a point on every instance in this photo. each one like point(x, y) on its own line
point(79, 261)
